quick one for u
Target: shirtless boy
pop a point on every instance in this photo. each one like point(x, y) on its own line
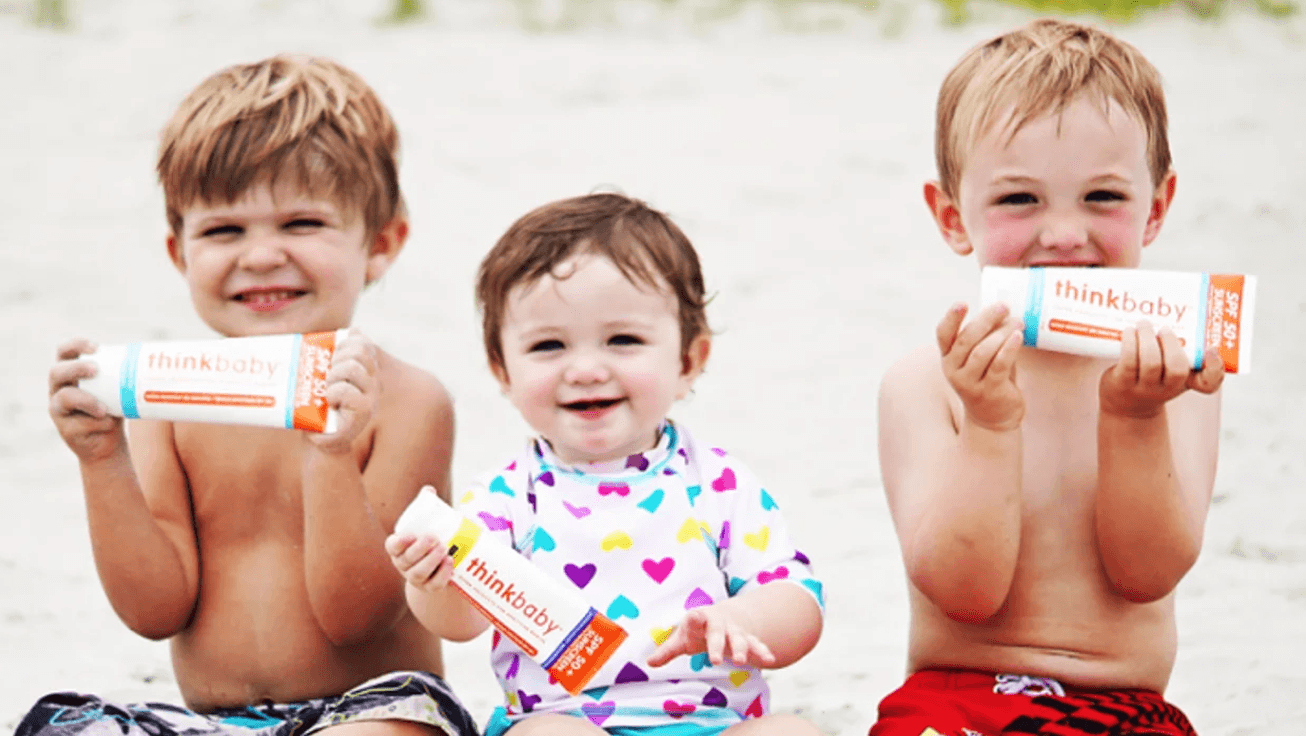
point(1046, 504)
point(258, 553)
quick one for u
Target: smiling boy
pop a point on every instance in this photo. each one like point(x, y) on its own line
point(1046, 504)
point(258, 553)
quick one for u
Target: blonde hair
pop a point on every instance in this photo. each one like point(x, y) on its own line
point(1039, 70)
point(307, 121)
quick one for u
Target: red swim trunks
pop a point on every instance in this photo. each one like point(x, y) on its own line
point(964, 703)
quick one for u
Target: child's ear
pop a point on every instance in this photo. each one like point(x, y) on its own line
point(948, 217)
point(385, 247)
point(500, 374)
point(693, 362)
point(175, 253)
point(1161, 199)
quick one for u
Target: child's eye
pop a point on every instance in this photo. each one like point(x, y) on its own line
point(304, 223)
point(1018, 198)
point(625, 340)
point(1104, 195)
point(545, 345)
point(219, 230)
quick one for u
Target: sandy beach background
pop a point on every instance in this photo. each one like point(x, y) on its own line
point(789, 145)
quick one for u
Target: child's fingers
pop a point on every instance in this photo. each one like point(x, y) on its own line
point(1208, 379)
point(75, 348)
point(946, 332)
point(395, 544)
point(1127, 366)
point(1151, 368)
point(979, 329)
point(69, 401)
point(1177, 368)
point(980, 363)
point(1004, 362)
point(68, 372)
point(675, 645)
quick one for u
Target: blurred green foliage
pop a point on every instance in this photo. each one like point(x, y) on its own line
point(52, 13)
point(1124, 10)
point(403, 11)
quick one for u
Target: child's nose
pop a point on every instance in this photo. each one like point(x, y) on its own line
point(586, 368)
point(1063, 233)
point(262, 253)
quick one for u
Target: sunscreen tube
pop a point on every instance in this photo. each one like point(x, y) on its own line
point(1084, 310)
point(265, 381)
point(550, 621)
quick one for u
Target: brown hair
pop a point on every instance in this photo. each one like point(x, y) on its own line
point(306, 118)
point(1038, 70)
point(644, 244)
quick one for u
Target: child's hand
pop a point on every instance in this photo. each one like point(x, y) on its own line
point(1152, 370)
point(83, 421)
point(423, 561)
point(718, 630)
point(351, 389)
point(979, 361)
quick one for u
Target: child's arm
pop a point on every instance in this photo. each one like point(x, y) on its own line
point(348, 510)
point(772, 625)
point(953, 478)
point(1156, 462)
point(143, 540)
point(425, 564)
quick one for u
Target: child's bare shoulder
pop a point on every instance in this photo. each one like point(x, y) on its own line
point(409, 390)
point(915, 377)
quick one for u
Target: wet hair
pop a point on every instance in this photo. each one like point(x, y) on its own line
point(1039, 70)
point(303, 121)
point(643, 243)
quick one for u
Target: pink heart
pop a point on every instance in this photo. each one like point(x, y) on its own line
point(676, 710)
point(726, 482)
point(659, 570)
point(621, 489)
point(780, 573)
point(755, 708)
point(719, 452)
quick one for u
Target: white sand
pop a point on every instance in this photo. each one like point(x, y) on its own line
point(791, 152)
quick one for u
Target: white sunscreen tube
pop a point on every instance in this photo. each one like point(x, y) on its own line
point(1084, 310)
point(552, 623)
point(265, 381)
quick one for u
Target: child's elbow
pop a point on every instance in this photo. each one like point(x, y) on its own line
point(964, 599)
point(1149, 580)
point(154, 627)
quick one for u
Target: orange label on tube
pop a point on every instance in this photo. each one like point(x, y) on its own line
point(207, 399)
point(310, 380)
point(580, 660)
point(1224, 318)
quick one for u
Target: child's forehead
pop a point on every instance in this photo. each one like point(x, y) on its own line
point(270, 196)
point(588, 278)
point(1001, 128)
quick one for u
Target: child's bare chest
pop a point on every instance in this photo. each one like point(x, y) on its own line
point(243, 481)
